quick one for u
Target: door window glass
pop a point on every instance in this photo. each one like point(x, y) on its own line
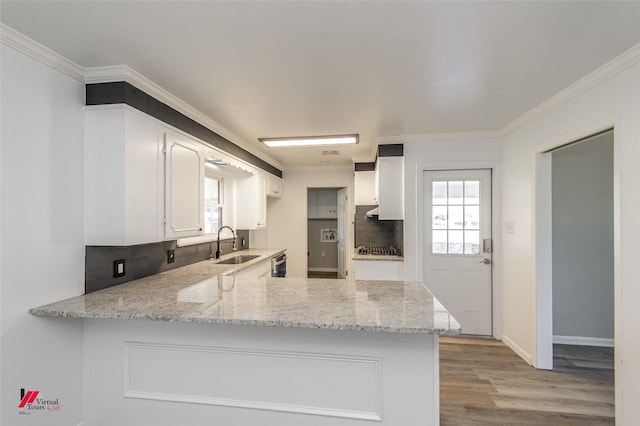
point(455, 224)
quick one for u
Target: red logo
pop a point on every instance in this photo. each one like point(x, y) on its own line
point(27, 398)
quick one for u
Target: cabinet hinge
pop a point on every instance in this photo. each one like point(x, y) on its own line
point(164, 220)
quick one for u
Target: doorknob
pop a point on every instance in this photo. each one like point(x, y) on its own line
point(486, 261)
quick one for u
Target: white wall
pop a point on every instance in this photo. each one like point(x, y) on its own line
point(582, 212)
point(461, 152)
point(42, 236)
point(615, 101)
point(287, 216)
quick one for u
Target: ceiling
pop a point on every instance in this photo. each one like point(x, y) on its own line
point(380, 69)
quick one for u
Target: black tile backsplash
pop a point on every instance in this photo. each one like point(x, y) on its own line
point(147, 259)
point(371, 231)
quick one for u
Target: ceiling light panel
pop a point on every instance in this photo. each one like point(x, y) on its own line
point(309, 141)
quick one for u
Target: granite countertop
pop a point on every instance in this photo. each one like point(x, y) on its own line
point(205, 293)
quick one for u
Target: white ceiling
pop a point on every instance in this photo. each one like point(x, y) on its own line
point(265, 69)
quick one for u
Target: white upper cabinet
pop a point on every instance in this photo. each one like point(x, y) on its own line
point(251, 202)
point(364, 188)
point(184, 185)
point(389, 183)
point(322, 203)
point(274, 186)
point(123, 177)
point(145, 181)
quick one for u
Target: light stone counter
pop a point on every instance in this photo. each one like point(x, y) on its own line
point(303, 352)
point(205, 292)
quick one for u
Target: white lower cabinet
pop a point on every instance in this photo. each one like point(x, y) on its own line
point(184, 185)
point(392, 270)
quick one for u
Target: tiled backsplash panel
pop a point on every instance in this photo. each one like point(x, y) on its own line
point(147, 259)
point(371, 231)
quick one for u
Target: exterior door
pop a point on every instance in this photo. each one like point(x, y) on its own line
point(342, 232)
point(457, 245)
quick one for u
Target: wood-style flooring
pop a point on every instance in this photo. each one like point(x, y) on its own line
point(483, 382)
point(316, 274)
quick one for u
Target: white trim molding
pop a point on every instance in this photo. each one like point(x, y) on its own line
point(583, 341)
point(517, 349)
point(41, 53)
point(482, 135)
point(107, 74)
point(603, 73)
point(209, 375)
point(591, 80)
point(322, 269)
point(125, 73)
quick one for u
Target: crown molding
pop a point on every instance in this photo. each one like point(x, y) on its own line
point(321, 168)
point(115, 73)
point(41, 53)
point(438, 137)
point(591, 80)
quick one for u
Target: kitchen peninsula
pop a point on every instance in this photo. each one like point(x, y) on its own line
point(198, 345)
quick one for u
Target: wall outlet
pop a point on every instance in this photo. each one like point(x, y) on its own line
point(323, 253)
point(118, 268)
point(171, 256)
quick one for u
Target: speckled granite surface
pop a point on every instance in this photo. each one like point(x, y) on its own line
point(206, 293)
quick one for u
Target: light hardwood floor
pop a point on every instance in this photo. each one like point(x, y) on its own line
point(483, 382)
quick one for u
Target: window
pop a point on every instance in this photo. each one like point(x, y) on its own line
point(455, 222)
point(213, 204)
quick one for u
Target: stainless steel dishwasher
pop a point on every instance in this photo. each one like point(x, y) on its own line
point(279, 266)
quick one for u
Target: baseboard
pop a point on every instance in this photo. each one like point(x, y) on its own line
point(322, 269)
point(583, 341)
point(517, 349)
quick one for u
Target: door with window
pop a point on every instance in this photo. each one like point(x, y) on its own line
point(457, 245)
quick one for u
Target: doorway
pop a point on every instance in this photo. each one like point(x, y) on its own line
point(458, 245)
point(326, 232)
point(575, 246)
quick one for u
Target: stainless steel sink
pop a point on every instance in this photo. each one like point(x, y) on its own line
point(237, 260)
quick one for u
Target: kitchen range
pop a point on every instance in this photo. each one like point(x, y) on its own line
point(378, 246)
point(377, 250)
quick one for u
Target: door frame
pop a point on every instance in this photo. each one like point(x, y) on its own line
point(542, 245)
point(496, 215)
point(349, 226)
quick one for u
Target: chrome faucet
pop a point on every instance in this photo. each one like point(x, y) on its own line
point(218, 242)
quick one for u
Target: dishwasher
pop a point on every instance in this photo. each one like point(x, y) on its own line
point(279, 266)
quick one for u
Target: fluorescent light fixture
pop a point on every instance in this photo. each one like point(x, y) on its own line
point(309, 141)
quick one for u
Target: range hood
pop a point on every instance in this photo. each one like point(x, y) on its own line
point(372, 213)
